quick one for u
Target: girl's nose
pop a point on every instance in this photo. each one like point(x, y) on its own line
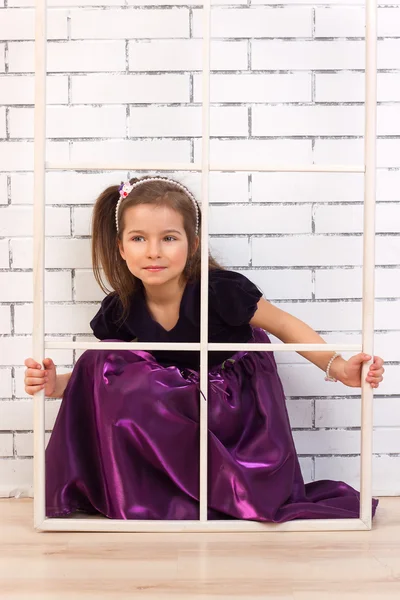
point(153, 250)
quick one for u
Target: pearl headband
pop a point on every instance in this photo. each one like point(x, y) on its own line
point(126, 188)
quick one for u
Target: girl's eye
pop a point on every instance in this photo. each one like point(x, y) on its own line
point(140, 237)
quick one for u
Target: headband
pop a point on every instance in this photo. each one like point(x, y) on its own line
point(126, 188)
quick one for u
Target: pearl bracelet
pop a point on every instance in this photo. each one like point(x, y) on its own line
point(328, 377)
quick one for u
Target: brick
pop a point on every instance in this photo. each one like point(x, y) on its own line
point(346, 412)
point(350, 87)
point(386, 345)
point(18, 286)
point(349, 219)
point(59, 253)
point(65, 187)
point(282, 284)
point(59, 318)
point(260, 219)
point(176, 2)
point(252, 87)
point(20, 24)
point(307, 251)
point(16, 477)
point(300, 413)
point(84, 338)
point(347, 283)
point(123, 24)
point(339, 22)
point(3, 122)
point(350, 22)
point(306, 467)
point(257, 152)
point(5, 319)
point(351, 151)
point(317, 2)
point(6, 444)
point(86, 287)
point(14, 350)
point(344, 337)
point(2, 58)
point(82, 220)
point(18, 414)
point(388, 153)
point(388, 117)
point(307, 120)
point(83, 188)
point(327, 442)
point(257, 22)
point(56, 3)
point(131, 89)
point(72, 122)
point(308, 187)
point(16, 221)
point(92, 3)
point(187, 121)
point(388, 21)
point(4, 255)
point(20, 89)
point(342, 316)
point(321, 55)
point(346, 442)
point(18, 156)
point(231, 252)
point(385, 472)
point(320, 120)
point(24, 443)
point(91, 56)
point(223, 186)
point(5, 380)
point(3, 189)
point(186, 55)
point(131, 151)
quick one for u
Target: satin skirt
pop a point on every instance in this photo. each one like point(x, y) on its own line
point(125, 444)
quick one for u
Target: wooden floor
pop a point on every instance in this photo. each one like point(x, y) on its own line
point(279, 566)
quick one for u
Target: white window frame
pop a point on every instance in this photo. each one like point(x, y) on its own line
point(364, 522)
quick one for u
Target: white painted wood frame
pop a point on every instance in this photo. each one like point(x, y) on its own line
point(364, 522)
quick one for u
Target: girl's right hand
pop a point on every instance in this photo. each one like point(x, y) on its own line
point(37, 378)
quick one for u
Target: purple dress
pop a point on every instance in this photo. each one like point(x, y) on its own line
point(126, 439)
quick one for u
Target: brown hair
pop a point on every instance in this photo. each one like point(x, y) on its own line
point(105, 251)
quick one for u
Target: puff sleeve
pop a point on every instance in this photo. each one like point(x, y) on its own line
point(233, 296)
point(104, 323)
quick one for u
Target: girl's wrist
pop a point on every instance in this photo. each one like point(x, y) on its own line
point(60, 385)
point(337, 369)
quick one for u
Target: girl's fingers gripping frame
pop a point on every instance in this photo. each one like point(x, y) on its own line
point(34, 381)
point(34, 389)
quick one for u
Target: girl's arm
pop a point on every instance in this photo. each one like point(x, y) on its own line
point(61, 383)
point(291, 330)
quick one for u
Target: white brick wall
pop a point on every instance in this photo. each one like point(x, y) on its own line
point(287, 85)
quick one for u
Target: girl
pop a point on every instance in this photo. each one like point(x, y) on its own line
point(126, 440)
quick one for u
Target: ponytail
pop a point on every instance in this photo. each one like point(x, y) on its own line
point(109, 268)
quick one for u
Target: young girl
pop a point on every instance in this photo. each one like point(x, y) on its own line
point(126, 439)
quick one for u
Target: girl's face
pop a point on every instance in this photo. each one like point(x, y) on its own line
point(154, 243)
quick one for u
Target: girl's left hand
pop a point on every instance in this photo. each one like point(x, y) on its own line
point(352, 370)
